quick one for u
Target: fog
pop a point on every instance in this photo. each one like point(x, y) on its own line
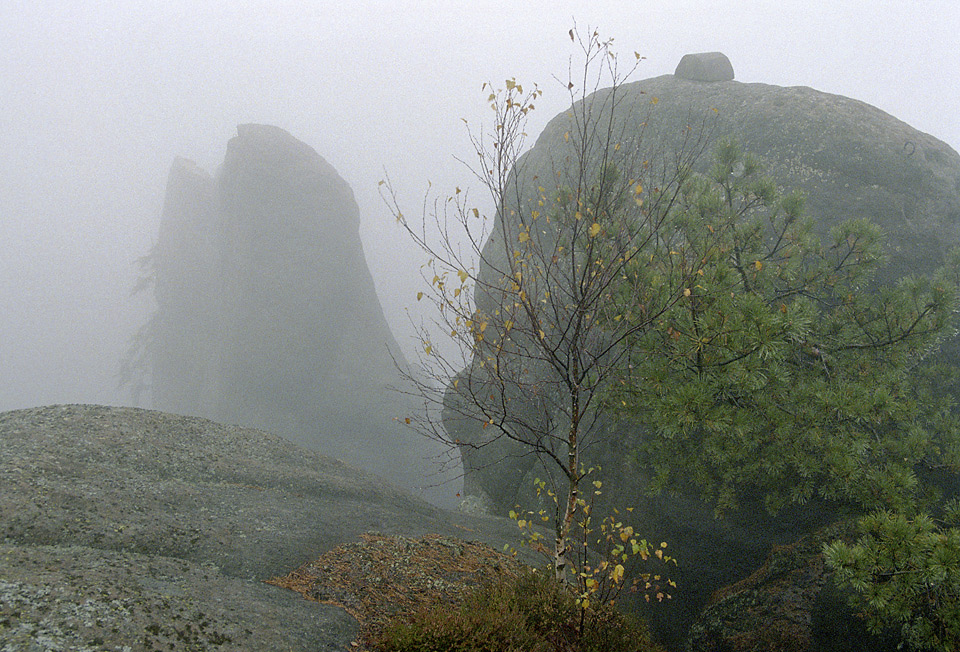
point(98, 97)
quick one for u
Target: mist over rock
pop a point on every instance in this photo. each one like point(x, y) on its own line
point(267, 313)
point(184, 375)
point(851, 160)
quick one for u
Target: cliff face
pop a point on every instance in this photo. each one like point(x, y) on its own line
point(268, 315)
point(184, 375)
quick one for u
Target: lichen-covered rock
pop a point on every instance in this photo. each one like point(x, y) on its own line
point(128, 527)
point(790, 604)
point(56, 598)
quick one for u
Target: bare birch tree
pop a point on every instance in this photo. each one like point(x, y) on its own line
point(530, 305)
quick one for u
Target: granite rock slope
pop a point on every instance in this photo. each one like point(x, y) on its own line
point(128, 527)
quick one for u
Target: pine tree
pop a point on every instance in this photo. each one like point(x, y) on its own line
point(786, 370)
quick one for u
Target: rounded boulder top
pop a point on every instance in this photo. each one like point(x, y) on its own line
point(705, 67)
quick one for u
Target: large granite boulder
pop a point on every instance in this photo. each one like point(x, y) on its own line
point(268, 316)
point(128, 527)
point(851, 160)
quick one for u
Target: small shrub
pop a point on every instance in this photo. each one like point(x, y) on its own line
point(526, 613)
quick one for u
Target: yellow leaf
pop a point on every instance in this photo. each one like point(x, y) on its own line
point(758, 264)
point(686, 292)
point(463, 276)
point(542, 334)
point(476, 213)
point(524, 236)
point(428, 348)
point(616, 147)
point(617, 573)
point(578, 215)
point(654, 100)
point(407, 421)
point(456, 292)
point(584, 603)
point(521, 523)
point(511, 84)
point(419, 295)
point(566, 137)
point(594, 230)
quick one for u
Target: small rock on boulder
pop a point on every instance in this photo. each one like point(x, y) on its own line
point(705, 67)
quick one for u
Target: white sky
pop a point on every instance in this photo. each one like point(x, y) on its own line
point(98, 97)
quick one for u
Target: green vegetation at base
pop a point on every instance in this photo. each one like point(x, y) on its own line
point(528, 613)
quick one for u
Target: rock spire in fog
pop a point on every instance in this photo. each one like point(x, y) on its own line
point(267, 313)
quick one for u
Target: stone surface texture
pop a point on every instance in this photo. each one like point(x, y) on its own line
point(789, 604)
point(128, 527)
